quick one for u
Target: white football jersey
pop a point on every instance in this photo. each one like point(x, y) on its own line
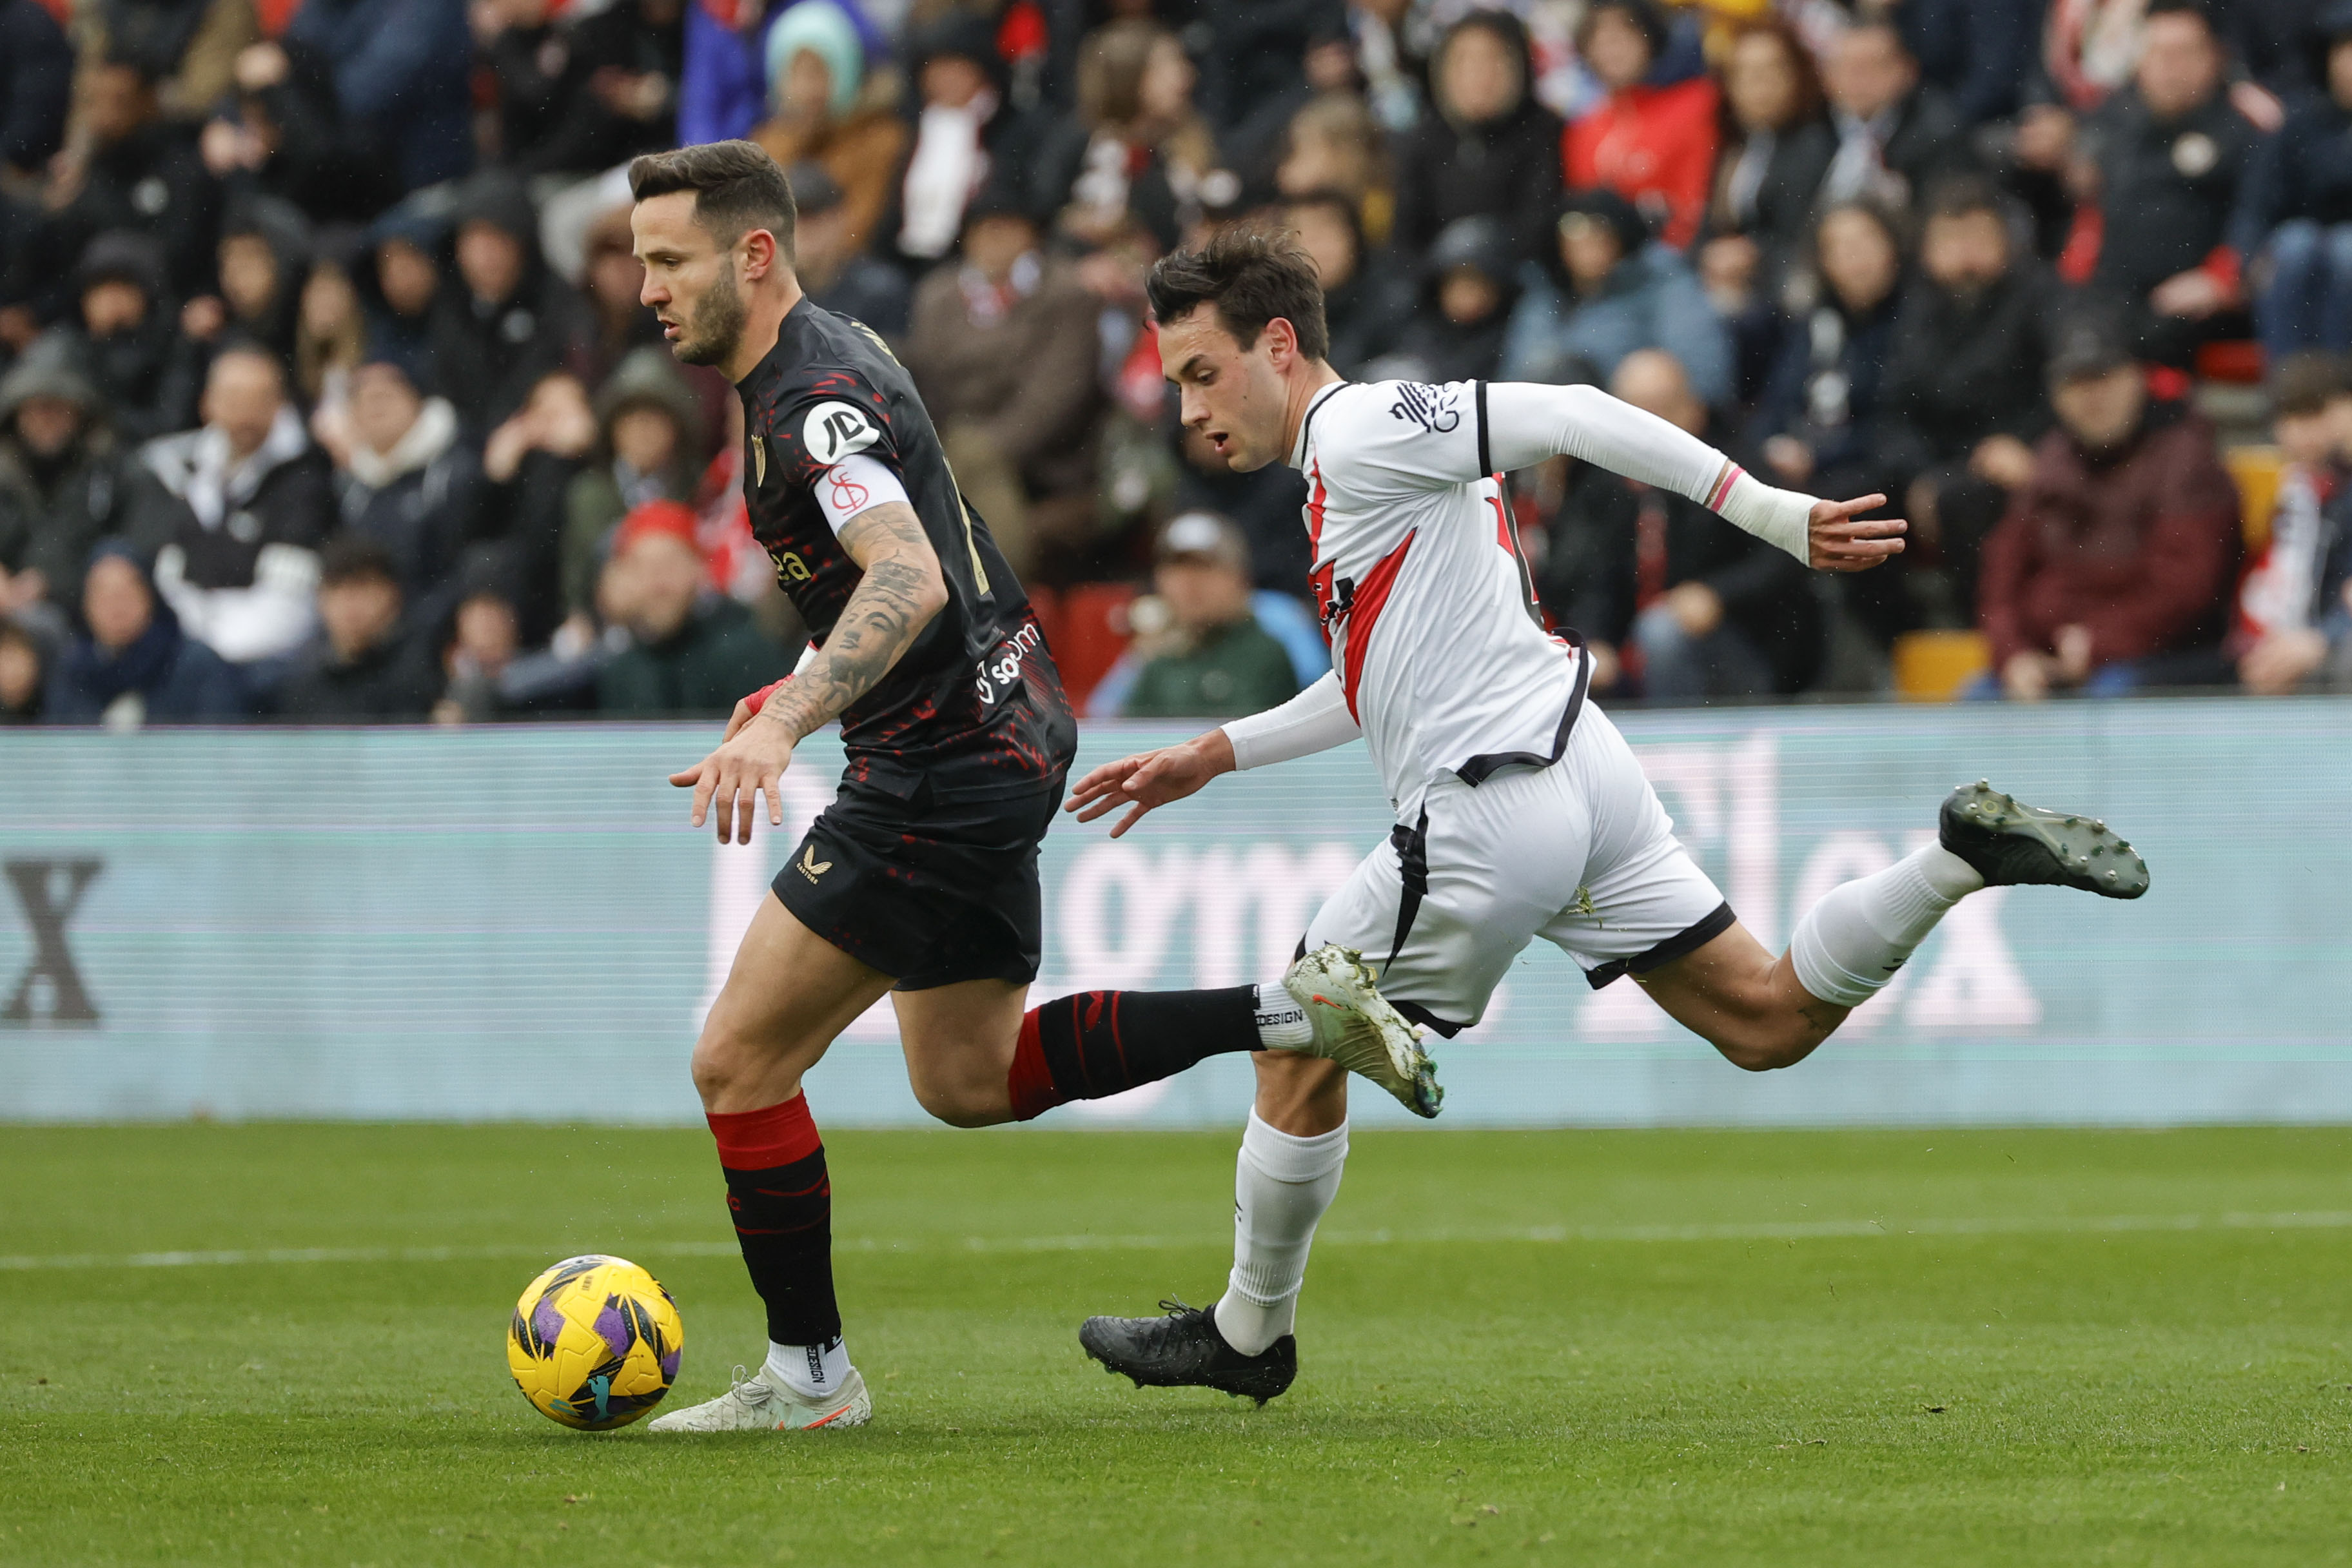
point(1424, 591)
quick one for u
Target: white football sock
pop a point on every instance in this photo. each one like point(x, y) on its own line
point(1282, 1184)
point(1848, 946)
point(809, 1371)
point(1281, 1021)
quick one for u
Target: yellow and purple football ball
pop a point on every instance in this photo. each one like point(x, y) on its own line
point(595, 1343)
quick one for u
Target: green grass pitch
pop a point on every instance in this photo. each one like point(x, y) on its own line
point(1915, 1348)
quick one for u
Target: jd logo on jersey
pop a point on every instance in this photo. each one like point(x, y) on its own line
point(810, 866)
point(835, 430)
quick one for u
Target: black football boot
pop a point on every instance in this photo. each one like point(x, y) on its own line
point(2011, 845)
point(1183, 1350)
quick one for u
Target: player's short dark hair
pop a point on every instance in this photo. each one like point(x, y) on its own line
point(736, 188)
point(1252, 276)
point(2305, 384)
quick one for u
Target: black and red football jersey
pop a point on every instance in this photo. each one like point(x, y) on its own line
point(975, 706)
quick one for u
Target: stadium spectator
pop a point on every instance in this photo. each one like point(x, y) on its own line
point(1362, 306)
point(690, 650)
point(145, 370)
point(833, 269)
point(36, 86)
point(649, 441)
point(1964, 400)
point(24, 672)
point(1980, 54)
point(1217, 662)
point(233, 514)
point(134, 665)
point(1776, 147)
point(1334, 146)
point(2295, 613)
point(2112, 570)
point(828, 112)
point(330, 337)
point(283, 135)
point(2167, 156)
point(2297, 205)
point(1706, 610)
point(264, 257)
point(508, 321)
point(1257, 49)
point(485, 643)
point(62, 479)
point(368, 662)
point(610, 278)
point(401, 73)
point(530, 464)
point(404, 481)
point(628, 57)
point(400, 283)
point(1002, 344)
point(1612, 292)
point(1469, 285)
point(187, 47)
point(1652, 145)
point(130, 168)
point(1488, 149)
point(1815, 424)
point(966, 135)
point(1136, 150)
point(1895, 134)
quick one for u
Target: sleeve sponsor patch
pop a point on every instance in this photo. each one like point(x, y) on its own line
point(835, 430)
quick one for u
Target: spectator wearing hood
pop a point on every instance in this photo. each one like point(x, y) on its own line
point(402, 70)
point(63, 486)
point(833, 269)
point(1489, 150)
point(826, 111)
point(134, 169)
point(232, 514)
point(135, 665)
point(1614, 292)
point(1469, 284)
point(370, 662)
point(145, 371)
point(1712, 612)
point(650, 437)
point(24, 672)
point(2297, 206)
point(400, 279)
point(966, 136)
point(404, 480)
point(1003, 344)
point(35, 91)
point(265, 255)
point(1895, 134)
point(508, 321)
point(690, 650)
point(2112, 570)
point(1654, 145)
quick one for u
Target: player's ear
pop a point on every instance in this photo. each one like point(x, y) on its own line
point(760, 253)
point(1281, 343)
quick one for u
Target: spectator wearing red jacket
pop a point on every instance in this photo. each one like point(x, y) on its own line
point(2112, 570)
point(1654, 145)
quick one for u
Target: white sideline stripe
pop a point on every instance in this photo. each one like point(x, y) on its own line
point(1803, 1231)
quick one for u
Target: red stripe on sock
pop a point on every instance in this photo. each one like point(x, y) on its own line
point(1030, 1082)
point(761, 1139)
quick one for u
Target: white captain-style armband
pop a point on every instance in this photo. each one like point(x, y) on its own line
point(854, 484)
point(1314, 721)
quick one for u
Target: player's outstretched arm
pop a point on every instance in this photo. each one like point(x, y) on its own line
point(1528, 424)
point(901, 591)
point(1314, 721)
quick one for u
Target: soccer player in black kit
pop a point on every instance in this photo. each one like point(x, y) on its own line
point(920, 881)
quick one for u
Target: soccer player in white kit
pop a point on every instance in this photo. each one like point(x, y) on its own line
point(1520, 811)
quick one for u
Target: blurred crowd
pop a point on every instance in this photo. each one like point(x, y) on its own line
point(325, 394)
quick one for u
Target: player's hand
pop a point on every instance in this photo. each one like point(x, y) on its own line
point(1839, 541)
point(737, 720)
point(1151, 779)
point(750, 763)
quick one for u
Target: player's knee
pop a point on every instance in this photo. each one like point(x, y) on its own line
point(1766, 1045)
point(963, 1105)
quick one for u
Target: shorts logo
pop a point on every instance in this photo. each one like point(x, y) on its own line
point(835, 430)
point(810, 866)
point(1431, 407)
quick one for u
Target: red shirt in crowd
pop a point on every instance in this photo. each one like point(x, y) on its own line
point(1654, 143)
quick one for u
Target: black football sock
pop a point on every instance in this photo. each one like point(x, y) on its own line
point(1098, 1043)
point(781, 1203)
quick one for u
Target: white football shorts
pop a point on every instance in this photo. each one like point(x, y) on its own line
point(1579, 853)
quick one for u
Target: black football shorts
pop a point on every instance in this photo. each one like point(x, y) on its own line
point(928, 891)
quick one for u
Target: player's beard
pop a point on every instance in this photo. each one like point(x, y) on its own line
point(718, 325)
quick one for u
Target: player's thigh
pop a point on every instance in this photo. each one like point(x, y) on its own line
point(788, 994)
point(1744, 1001)
point(960, 1041)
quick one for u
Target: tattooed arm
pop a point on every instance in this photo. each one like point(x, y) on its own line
point(901, 591)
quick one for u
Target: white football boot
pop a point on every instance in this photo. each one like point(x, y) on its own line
point(759, 1403)
point(1355, 1026)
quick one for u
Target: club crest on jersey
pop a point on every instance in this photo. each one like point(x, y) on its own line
point(1431, 407)
point(835, 430)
